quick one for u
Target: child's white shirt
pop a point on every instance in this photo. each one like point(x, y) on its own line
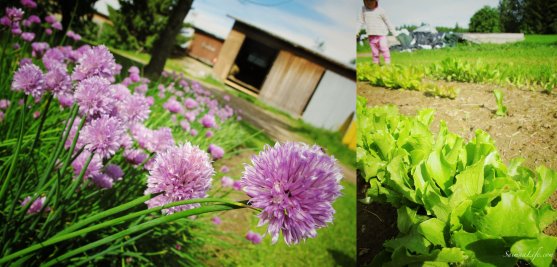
point(376, 21)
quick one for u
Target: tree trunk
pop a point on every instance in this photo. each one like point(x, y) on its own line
point(167, 39)
point(67, 7)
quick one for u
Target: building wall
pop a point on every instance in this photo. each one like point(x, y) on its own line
point(333, 102)
point(205, 48)
point(228, 53)
point(291, 82)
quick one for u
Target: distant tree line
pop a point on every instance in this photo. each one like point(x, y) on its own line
point(527, 16)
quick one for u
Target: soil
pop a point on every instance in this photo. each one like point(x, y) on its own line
point(528, 131)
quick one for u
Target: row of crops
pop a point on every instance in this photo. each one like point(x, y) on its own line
point(99, 165)
point(457, 202)
point(414, 77)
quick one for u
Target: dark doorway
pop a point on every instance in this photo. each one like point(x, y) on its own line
point(252, 64)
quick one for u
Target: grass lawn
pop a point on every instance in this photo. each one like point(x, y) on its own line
point(334, 245)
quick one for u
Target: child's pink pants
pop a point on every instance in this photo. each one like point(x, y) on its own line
point(378, 44)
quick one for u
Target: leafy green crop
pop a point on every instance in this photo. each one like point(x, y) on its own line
point(396, 76)
point(501, 109)
point(457, 202)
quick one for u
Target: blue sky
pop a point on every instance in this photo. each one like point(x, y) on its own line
point(334, 22)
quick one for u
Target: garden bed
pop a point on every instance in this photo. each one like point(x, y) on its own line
point(528, 131)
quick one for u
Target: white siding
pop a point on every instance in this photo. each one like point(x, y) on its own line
point(332, 102)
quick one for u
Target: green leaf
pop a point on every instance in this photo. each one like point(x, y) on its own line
point(401, 257)
point(501, 109)
point(482, 249)
point(545, 186)
point(434, 231)
point(502, 220)
point(546, 215)
point(412, 241)
point(407, 217)
point(468, 183)
point(398, 178)
point(539, 251)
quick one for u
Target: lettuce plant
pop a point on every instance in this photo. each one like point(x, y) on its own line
point(501, 109)
point(457, 202)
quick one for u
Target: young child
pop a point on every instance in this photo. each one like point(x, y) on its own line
point(377, 27)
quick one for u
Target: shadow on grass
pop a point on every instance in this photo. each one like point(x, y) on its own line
point(342, 259)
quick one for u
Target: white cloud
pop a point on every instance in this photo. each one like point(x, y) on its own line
point(434, 12)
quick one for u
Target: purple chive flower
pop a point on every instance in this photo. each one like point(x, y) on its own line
point(295, 185)
point(94, 97)
point(216, 220)
point(150, 100)
point(29, 4)
point(190, 103)
point(224, 169)
point(161, 140)
point(208, 121)
point(54, 58)
point(58, 81)
point(102, 180)
point(209, 134)
point(173, 106)
point(95, 61)
point(190, 116)
point(4, 104)
point(16, 30)
point(48, 31)
point(133, 69)
point(50, 19)
point(193, 132)
point(57, 25)
point(226, 98)
point(29, 79)
point(216, 151)
point(36, 114)
point(226, 181)
point(5, 21)
point(25, 61)
point(39, 48)
point(114, 171)
point(16, 46)
point(65, 100)
point(180, 173)
point(28, 36)
point(74, 36)
point(255, 238)
point(14, 14)
point(134, 77)
point(134, 109)
point(94, 167)
point(141, 89)
point(34, 19)
point(103, 136)
point(120, 92)
point(185, 125)
point(36, 206)
point(135, 157)
point(237, 185)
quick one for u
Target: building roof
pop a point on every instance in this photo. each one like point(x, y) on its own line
point(295, 45)
point(197, 29)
